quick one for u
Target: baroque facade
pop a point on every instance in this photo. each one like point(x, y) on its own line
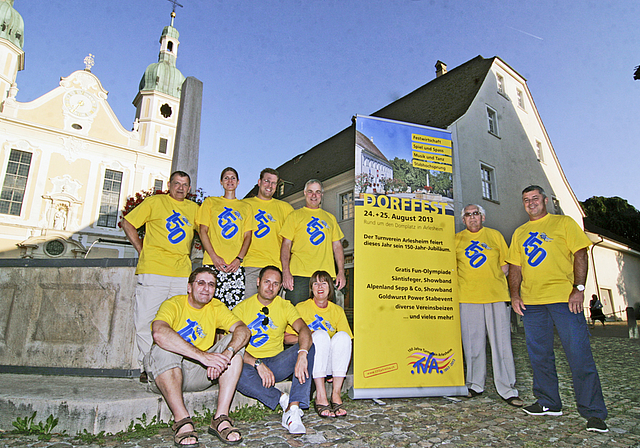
point(67, 164)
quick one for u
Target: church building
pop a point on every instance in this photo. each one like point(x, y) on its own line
point(67, 164)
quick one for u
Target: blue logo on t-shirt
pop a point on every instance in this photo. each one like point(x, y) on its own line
point(175, 224)
point(191, 332)
point(474, 253)
point(533, 248)
point(258, 325)
point(320, 324)
point(263, 219)
point(315, 230)
point(226, 220)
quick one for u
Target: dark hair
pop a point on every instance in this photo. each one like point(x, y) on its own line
point(201, 269)
point(233, 170)
point(269, 268)
point(269, 171)
point(533, 188)
point(322, 276)
point(180, 174)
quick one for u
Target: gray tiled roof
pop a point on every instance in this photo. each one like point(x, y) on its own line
point(438, 103)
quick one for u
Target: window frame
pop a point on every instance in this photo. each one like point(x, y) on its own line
point(113, 207)
point(492, 121)
point(488, 183)
point(17, 178)
point(350, 205)
point(520, 99)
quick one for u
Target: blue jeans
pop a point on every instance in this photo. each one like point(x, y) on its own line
point(282, 365)
point(300, 291)
point(572, 328)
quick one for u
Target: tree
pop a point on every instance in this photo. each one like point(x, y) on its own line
point(615, 215)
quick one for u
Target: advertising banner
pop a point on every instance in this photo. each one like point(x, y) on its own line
point(406, 318)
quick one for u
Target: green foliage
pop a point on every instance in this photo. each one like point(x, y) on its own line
point(141, 428)
point(28, 426)
point(251, 413)
point(615, 215)
point(419, 179)
point(86, 437)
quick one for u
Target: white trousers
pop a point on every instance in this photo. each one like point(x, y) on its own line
point(151, 291)
point(479, 321)
point(333, 354)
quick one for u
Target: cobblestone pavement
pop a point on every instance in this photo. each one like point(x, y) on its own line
point(431, 422)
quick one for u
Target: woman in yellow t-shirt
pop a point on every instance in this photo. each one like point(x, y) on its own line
point(332, 339)
point(226, 224)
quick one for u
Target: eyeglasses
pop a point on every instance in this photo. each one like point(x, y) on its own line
point(265, 311)
point(201, 283)
point(476, 213)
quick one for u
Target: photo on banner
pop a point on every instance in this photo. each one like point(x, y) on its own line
point(406, 319)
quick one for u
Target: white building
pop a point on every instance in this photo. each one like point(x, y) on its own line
point(67, 164)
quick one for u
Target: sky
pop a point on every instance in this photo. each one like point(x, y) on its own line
point(281, 76)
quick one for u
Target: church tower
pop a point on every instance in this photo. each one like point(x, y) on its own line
point(11, 53)
point(158, 99)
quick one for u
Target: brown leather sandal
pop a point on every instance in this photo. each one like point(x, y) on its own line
point(178, 438)
point(223, 435)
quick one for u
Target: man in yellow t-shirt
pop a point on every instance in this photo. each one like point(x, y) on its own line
point(484, 306)
point(547, 273)
point(267, 316)
point(164, 264)
point(184, 358)
point(310, 242)
point(269, 215)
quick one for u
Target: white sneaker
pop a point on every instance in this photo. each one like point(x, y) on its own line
point(292, 420)
point(284, 401)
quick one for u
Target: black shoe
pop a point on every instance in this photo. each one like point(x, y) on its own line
point(537, 409)
point(143, 377)
point(472, 393)
point(597, 424)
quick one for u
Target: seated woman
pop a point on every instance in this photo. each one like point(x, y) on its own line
point(331, 338)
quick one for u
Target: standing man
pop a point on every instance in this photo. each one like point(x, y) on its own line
point(184, 359)
point(547, 272)
point(310, 241)
point(164, 264)
point(265, 362)
point(484, 306)
point(269, 214)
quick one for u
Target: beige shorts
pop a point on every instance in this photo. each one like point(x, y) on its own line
point(194, 374)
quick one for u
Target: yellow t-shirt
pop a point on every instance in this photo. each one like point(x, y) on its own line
point(544, 249)
point(312, 232)
point(331, 319)
point(228, 220)
point(169, 232)
point(480, 256)
point(266, 339)
point(196, 326)
point(269, 217)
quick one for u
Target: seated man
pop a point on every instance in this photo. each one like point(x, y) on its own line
point(184, 359)
point(267, 315)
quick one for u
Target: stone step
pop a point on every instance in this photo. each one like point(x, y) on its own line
point(97, 404)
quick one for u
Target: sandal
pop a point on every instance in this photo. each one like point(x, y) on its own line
point(320, 408)
point(223, 434)
point(516, 401)
point(178, 438)
point(335, 407)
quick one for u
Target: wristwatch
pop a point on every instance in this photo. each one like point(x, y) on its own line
point(579, 287)
point(257, 363)
point(233, 352)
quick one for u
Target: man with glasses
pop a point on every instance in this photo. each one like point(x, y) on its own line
point(266, 363)
point(484, 306)
point(547, 271)
point(269, 214)
point(310, 242)
point(184, 358)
